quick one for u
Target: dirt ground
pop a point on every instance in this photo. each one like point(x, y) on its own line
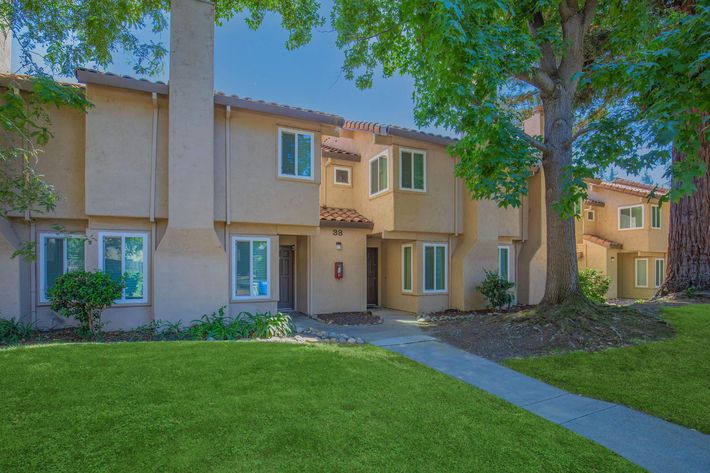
point(532, 332)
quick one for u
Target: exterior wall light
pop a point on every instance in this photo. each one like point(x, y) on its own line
point(338, 246)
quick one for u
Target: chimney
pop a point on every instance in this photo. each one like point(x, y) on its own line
point(191, 276)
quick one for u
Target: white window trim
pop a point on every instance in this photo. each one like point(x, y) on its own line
point(659, 217)
point(347, 169)
point(643, 217)
point(655, 271)
point(411, 268)
point(385, 155)
point(594, 215)
point(446, 268)
point(146, 256)
point(42, 255)
point(251, 239)
point(411, 150)
point(636, 269)
point(297, 132)
point(509, 248)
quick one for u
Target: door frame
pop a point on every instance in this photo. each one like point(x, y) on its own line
point(377, 276)
point(292, 248)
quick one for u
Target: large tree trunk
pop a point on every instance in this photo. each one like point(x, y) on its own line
point(562, 284)
point(689, 233)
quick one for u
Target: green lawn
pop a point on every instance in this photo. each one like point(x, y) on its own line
point(669, 379)
point(233, 407)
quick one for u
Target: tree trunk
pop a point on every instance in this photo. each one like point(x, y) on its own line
point(562, 284)
point(689, 233)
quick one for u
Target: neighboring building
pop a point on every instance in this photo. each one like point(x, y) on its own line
point(205, 200)
point(623, 232)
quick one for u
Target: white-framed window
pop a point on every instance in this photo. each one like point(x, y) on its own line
point(407, 252)
point(295, 149)
point(251, 267)
point(379, 174)
point(412, 169)
point(504, 262)
point(435, 267)
point(125, 254)
point(59, 253)
point(655, 216)
point(631, 217)
point(641, 272)
point(590, 215)
point(660, 267)
point(342, 175)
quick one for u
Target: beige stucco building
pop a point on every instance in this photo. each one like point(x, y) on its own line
point(202, 200)
point(622, 230)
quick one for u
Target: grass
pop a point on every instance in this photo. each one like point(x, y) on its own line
point(230, 406)
point(669, 379)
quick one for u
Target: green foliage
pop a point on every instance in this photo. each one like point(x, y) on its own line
point(497, 290)
point(13, 331)
point(220, 326)
point(594, 284)
point(84, 295)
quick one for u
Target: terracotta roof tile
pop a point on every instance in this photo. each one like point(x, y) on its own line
point(334, 216)
point(601, 241)
point(594, 203)
point(394, 130)
point(339, 148)
point(631, 187)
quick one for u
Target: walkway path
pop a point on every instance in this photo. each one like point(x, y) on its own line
point(655, 444)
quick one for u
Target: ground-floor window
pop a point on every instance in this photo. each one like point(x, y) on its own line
point(407, 268)
point(435, 267)
point(251, 278)
point(660, 271)
point(126, 254)
point(504, 262)
point(58, 254)
point(641, 272)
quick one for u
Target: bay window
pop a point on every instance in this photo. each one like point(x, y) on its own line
point(379, 179)
point(407, 268)
point(412, 169)
point(631, 217)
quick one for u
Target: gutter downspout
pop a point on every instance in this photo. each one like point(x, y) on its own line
point(227, 175)
point(153, 181)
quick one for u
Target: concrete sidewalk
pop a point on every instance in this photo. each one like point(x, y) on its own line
point(655, 444)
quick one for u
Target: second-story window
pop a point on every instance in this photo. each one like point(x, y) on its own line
point(631, 217)
point(295, 154)
point(379, 180)
point(412, 169)
point(342, 175)
point(655, 216)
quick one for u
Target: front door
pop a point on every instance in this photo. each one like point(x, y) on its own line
point(372, 298)
point(286, 298)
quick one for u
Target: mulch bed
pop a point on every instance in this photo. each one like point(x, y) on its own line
point(535, 332)
point(349, 318)
point(453, 313)
point(70, 335)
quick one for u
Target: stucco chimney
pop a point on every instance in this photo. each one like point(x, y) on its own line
point(190, 262)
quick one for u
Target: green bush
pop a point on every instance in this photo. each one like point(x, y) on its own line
point(594, 284)
point(220, 326)
point(84, 295)
point(497, 290)
point(13, 331)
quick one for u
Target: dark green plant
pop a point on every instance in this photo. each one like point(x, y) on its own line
point(220, 326)
point(691, 292)
point(84, 295)
point(13, 331)
point(497, 290)
point(595, 284)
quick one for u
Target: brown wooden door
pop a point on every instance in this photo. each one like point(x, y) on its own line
point(286, 278)
point(372, 260)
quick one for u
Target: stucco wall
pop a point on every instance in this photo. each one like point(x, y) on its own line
point(532, 258)
point(9, 282)
point(347, 294)
point(340, 195)
point(626, 272)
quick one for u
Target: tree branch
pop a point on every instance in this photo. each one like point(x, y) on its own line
point(533, 142)
point(590, 8)
point(549, 62)
point(539, 79)
point(579, 133)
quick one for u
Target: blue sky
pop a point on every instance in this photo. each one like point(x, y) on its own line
point(257, 64)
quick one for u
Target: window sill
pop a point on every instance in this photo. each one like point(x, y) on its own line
point(302, 180)
point(379, 194)
point(252, 299)
point(412, 191)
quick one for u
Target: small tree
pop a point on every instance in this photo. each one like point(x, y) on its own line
point(594, 284)
point(497, 290)
point(84, 295)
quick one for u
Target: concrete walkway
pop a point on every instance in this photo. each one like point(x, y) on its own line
point(655, 444)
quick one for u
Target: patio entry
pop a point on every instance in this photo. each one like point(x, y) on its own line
point(286, 278)
point(372, 283)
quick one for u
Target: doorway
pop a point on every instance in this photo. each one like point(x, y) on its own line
point(286, 278)
point(372, 282)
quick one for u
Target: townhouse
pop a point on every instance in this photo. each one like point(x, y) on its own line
point(202, 200)
point(622, 231)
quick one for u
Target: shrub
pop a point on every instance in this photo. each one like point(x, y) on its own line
point(219, 326)
point(594, 284)
point(12, 331)
point(84, 295)
point(497, 290)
